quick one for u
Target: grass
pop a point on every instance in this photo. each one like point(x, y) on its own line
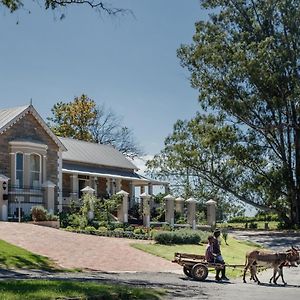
point(233, 253)
point(15, 257)
point(56, 289)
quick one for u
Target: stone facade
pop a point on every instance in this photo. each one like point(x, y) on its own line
point(28, 129)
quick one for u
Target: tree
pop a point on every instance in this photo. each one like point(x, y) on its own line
point(97, 5)
point(74, 119)
point(245, 62)
point(81, 119)
point(197, 160)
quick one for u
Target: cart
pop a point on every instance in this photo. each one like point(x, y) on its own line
point(195, 266)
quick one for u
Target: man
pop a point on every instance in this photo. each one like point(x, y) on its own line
point(218, 257)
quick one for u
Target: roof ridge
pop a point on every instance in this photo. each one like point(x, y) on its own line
point(94, 143)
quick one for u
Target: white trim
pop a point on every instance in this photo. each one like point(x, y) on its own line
point(29, 147)
point(73, 172)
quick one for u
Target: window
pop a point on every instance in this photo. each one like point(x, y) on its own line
point(35, 171)
point(19, 170)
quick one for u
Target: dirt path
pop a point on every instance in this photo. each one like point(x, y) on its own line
point(71, 250)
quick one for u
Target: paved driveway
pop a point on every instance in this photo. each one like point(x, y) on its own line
point(275, 240)
point(71, 250)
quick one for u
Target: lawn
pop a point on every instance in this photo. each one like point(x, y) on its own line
point(233, 253)
point(273, 225)
point(55, 289)
point(15, 257)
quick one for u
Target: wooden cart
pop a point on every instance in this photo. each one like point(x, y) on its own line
point(195, 266)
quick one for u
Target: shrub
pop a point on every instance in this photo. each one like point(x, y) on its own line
point(138, 230)
point(38, 213)
point(52, 217)
point(177, 237)
point(118, 230)
point(90, 229)
point(253, 225)
point(102, 229)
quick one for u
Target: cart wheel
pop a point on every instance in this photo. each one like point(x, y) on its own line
point(187, 271)
point(199, 272)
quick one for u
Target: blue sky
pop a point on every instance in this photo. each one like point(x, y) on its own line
point(128, 63)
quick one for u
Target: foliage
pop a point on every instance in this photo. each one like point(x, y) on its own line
point(81, 119)
point(38, 213)
point(245, 144)
point(252, 225)
point(181, 236)
point(54, 5)
point(74, 119)
point(39, 289)
point(114, 202)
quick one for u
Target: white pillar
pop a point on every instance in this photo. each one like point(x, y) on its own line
point(89, 191)
point(49, 195)
point(179, 205)
point(118, 185)
point(60, 183)
point(191, 212)
point(169, 217)
point(132, 194)
point(123, 209)
point(146, 209)
point(211, 212)
point(74, 182)
point(108, 186)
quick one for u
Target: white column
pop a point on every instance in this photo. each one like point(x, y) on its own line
point(132, 194)
point(118, 185)
point(108, 186)
point(169, 217)
point(123, 209)
point(211, 212)
point(74, 181)
point(146, 209)
point(60, 181)
point(95, 185)
point(191, 211)
point(49, 195)
point(89, 191)
point(179, 205)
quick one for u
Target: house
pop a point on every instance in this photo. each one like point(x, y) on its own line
point(39, 168)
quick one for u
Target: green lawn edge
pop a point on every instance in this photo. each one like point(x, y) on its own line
point(64, 289)
point(15, 257)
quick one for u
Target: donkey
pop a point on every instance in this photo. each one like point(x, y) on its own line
point(274, 260)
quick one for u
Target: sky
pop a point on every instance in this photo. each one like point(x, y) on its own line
point(129, 62)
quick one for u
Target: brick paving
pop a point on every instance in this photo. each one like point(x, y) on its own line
point(72, 250)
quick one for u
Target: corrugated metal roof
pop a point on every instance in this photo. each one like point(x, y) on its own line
point(96, 154)
point(9, 114)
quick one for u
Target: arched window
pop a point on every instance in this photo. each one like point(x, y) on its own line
point(35, 170)
point(19, 170)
